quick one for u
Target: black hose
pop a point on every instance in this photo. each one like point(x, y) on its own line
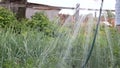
point(96, 31)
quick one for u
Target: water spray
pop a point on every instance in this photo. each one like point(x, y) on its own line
point(96, 31)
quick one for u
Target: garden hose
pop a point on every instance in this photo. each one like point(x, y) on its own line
point(96, 31)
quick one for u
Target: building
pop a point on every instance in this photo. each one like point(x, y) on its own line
point(27, 8)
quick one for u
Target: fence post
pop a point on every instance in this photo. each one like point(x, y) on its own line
point(77, 9)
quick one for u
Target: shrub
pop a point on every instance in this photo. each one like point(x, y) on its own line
point(6, 18)
point(40, 22)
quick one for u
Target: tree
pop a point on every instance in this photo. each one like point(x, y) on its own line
point(117, 11)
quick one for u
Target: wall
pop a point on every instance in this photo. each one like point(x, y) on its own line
point(50, 13)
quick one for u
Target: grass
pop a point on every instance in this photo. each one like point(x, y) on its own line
point(35, 50)
point(38, 43)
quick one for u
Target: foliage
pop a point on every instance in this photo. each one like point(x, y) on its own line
point(110, 14)
point(33, 48)
point(40, 22)
point(7, 18)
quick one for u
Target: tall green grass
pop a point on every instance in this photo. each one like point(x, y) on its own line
point(34, 49)
point(39, 43)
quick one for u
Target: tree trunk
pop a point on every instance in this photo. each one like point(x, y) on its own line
point(117, 12)
point(21, 11)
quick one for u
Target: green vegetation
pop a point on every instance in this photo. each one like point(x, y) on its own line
point(110, 14)
point(40, 22)
point(6, 18)
point(39, 43)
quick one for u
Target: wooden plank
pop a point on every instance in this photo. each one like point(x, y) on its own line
point(38, 6)
point(12, 4)
point(95, 9)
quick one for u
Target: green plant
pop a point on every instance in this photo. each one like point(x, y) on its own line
point(7, 18)
point(110, 14)
point(40, 22)
point(33, 48)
